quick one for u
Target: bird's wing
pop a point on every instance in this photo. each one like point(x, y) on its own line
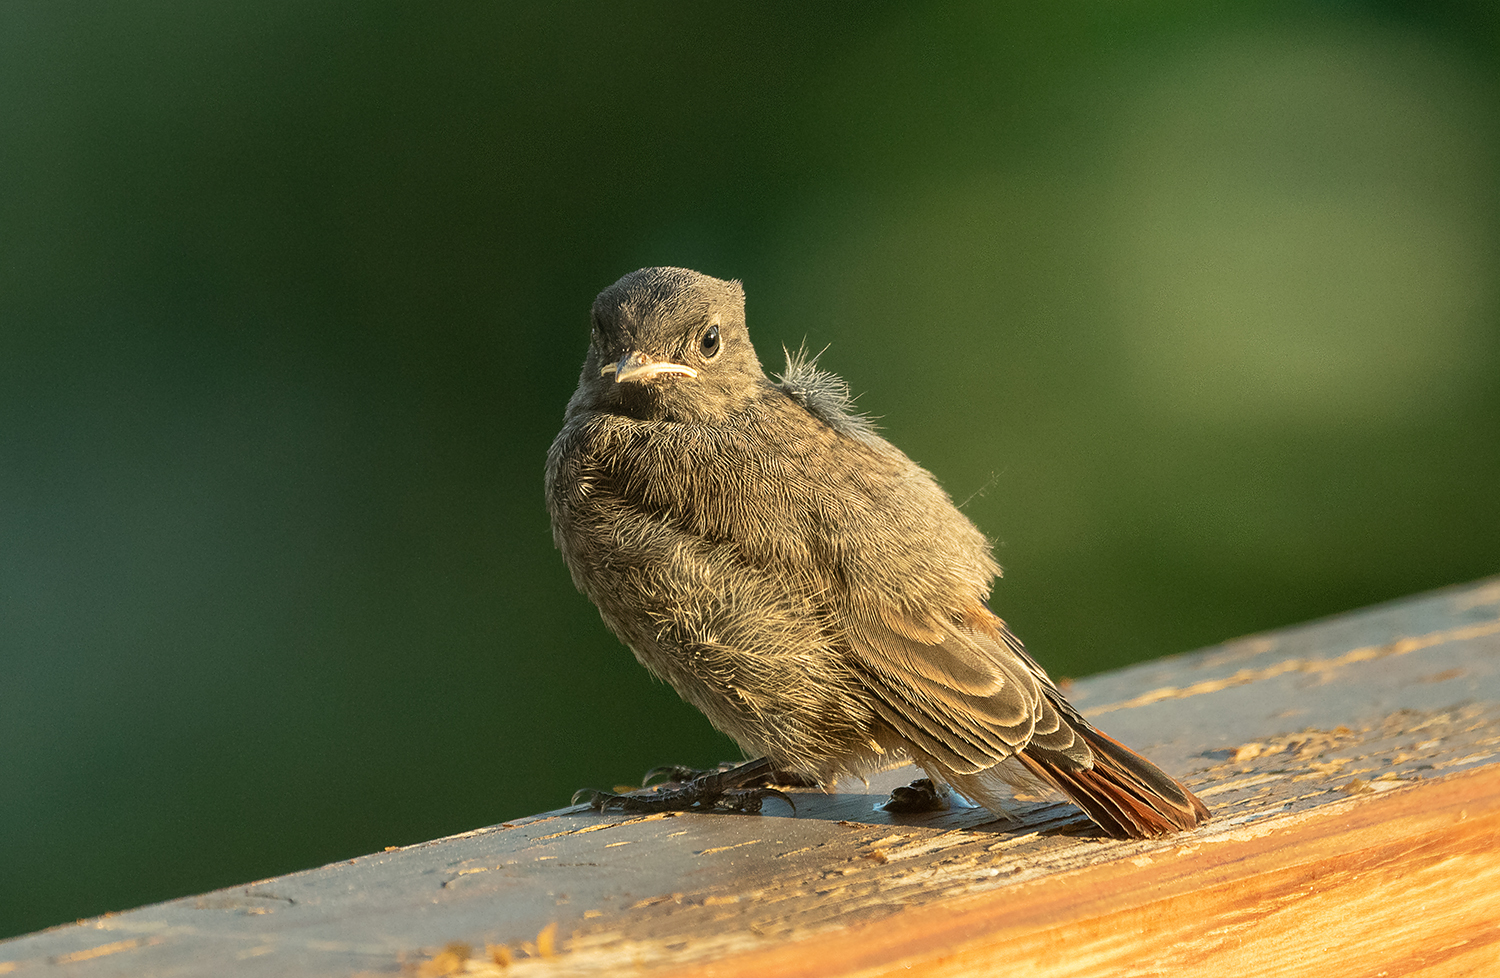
point(965, 693)
point(969, 696)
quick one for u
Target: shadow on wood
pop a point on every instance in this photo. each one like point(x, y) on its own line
point(1352, 766)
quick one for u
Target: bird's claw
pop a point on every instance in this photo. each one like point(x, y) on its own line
point(749, 799)
point(593, 795)
point(922, 795)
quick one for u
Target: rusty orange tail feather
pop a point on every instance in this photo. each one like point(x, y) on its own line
point(1127, 795)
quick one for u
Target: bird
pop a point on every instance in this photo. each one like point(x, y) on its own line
point(816, 594)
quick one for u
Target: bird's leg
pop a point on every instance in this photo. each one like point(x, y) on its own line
point(738, 789)
point(756, 773)
point(681, 773)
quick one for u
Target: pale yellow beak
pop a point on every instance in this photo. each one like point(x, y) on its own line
point(638, 367)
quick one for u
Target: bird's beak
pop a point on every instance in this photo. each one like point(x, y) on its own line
point(636, 366)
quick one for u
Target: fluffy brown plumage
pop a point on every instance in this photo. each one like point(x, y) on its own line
point(796, 577)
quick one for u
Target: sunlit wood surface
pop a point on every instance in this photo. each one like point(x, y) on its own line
point(1352, 766)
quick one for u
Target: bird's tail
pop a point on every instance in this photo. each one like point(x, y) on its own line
point(1127, 795)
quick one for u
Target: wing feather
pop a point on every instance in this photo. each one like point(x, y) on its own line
point(964, 698)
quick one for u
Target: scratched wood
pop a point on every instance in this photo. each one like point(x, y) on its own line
point(1352, 766)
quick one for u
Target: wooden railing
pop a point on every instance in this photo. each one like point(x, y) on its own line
point(1352, 766)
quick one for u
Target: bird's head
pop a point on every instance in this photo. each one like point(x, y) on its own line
point(670, 343)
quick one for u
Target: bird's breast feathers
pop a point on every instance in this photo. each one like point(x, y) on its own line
point(784, 495)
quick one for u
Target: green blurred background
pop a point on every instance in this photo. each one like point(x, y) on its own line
point(1196, 305)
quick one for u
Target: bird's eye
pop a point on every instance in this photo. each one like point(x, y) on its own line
point(709, 344)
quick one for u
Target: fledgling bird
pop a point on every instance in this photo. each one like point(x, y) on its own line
point(797, 578)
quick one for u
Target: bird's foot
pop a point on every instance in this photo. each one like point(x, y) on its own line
point(690, 797)
point(741, 788)
point(922, 795)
